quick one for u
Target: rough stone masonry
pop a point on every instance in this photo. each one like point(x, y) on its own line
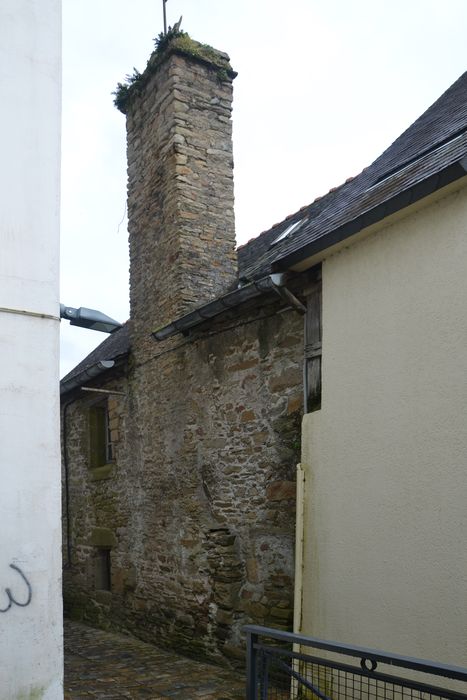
point(196, 504)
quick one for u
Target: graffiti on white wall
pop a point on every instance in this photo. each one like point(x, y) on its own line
point(25, 595)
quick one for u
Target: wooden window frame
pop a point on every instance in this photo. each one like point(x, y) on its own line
point(100, 443)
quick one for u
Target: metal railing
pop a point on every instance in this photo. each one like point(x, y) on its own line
point(286, 666)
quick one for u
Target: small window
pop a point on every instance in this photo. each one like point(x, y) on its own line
point(100, 444)
point(103, 572)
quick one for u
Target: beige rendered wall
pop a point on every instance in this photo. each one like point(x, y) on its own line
point(385, 553)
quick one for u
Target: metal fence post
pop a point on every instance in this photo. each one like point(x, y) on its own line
point(251, 661)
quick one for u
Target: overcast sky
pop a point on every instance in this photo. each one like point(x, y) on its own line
point(323, 87)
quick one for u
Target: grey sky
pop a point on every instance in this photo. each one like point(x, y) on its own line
point(323, 87)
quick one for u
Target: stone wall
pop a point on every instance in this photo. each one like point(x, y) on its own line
point(199, 507)
point(180, 192)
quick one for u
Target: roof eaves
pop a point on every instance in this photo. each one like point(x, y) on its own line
point(403, 199)
point(86, 374)
point(268, 284)
point(115, 347)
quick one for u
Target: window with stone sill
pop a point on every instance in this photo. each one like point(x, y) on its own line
point(101, 450)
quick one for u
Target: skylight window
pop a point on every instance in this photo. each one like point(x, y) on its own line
point(292, 228)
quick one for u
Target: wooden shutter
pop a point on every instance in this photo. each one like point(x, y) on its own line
point(312, 360)
point(98, 435)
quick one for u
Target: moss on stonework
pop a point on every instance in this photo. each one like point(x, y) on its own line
point(288, 428)
point(174, 42)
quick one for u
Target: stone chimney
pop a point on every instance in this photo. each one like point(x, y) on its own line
point(180, 182)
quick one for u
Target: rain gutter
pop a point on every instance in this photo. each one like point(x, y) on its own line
point(88, 373)
point(272, 283)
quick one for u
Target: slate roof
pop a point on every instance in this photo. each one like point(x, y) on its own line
point(115, 345)
point(423, 158)
point(252, 252)
point(433, 143)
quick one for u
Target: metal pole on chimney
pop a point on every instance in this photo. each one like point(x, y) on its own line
point(165, 16)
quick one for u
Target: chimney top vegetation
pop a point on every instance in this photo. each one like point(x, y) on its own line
point(178, 42)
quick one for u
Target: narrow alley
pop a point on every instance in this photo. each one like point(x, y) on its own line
point(102, 664)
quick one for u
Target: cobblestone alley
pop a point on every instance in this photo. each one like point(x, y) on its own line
point(106, 665)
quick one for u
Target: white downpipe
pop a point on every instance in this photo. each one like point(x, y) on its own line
point(299, 542)
point(298, 593)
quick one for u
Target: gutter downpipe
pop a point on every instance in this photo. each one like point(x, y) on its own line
point(286, 294)
point(299, 544)
point(67, 564)
point(298, 586)
point(89, 373)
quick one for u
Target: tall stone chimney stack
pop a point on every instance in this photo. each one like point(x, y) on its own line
point(180, 182)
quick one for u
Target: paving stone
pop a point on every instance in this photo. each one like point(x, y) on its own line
point(113, 666)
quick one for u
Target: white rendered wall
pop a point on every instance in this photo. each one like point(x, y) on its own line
point(386, 456)
point(30, 73)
